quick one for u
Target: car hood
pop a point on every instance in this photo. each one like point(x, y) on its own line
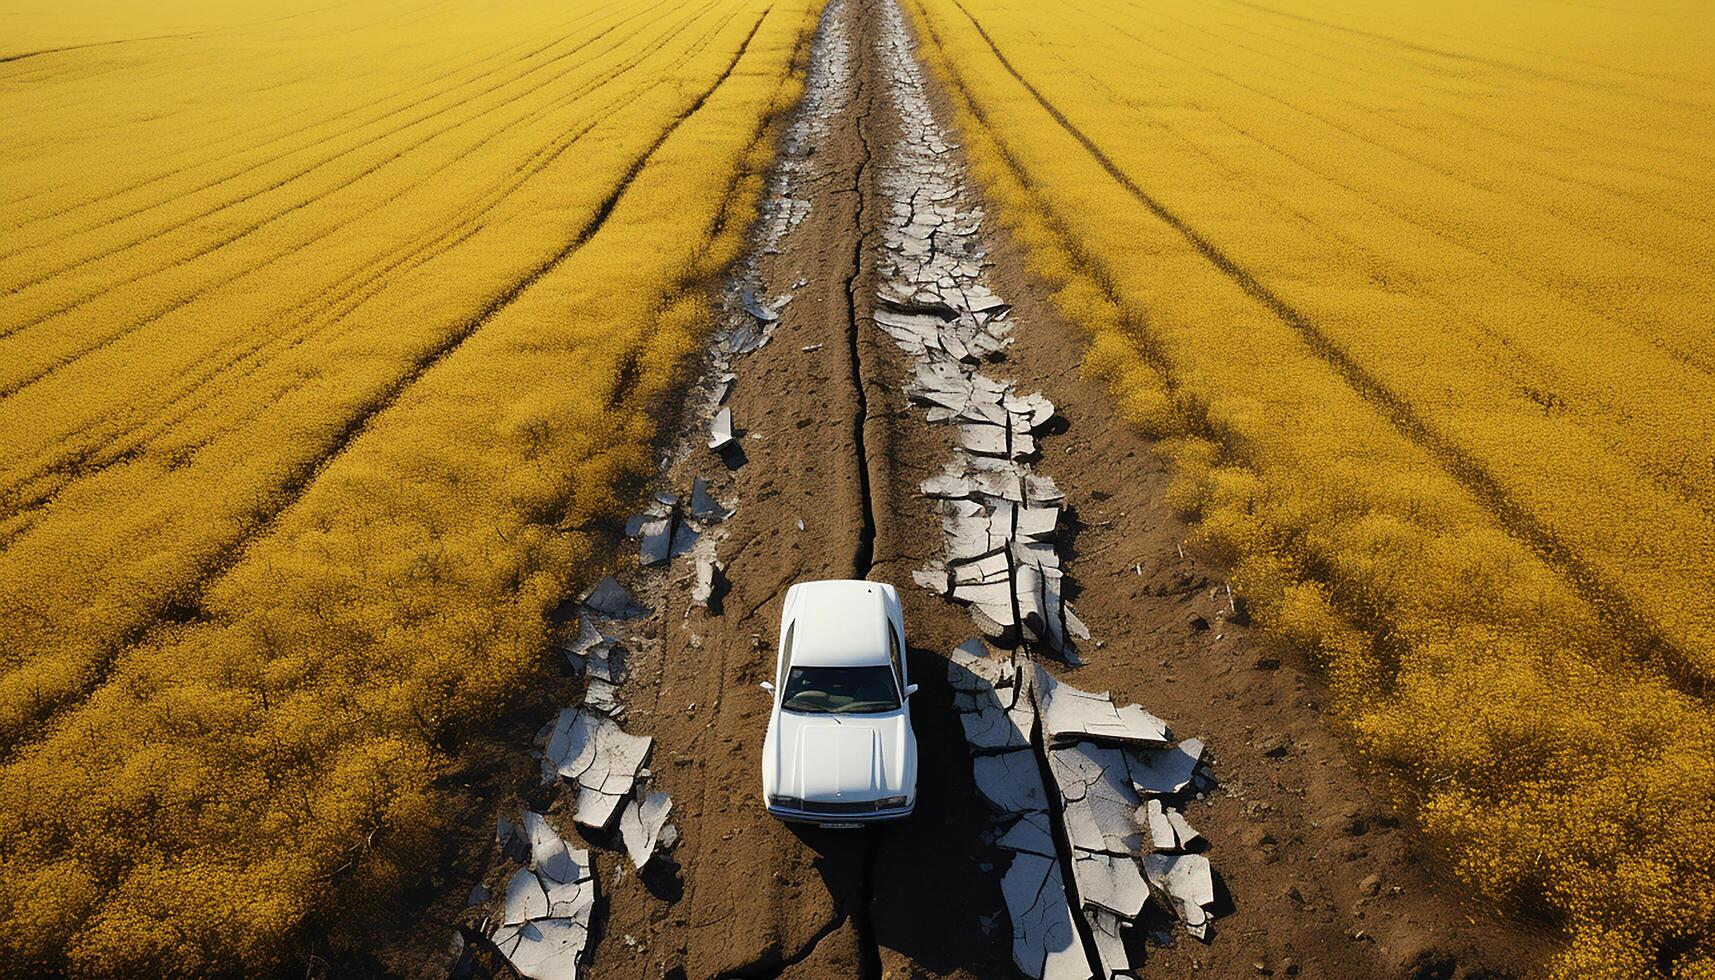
point(856, 758)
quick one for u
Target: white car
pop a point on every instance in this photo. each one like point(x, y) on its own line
point(839, 749)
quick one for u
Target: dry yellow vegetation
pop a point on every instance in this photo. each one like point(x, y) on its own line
point(326, 330)
point(1419, 297)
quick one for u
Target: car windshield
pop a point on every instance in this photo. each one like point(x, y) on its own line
point(841, 690)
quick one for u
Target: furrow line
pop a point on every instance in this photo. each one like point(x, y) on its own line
point(338, 302)
point(356, 219)
point(190, 598)
point(241, 199)
point(1651, 644)
point(406, 93)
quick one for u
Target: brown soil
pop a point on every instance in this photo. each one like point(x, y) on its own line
point(1318, 877)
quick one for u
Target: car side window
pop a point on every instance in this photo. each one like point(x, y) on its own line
point(898, 661)
point(785, 664)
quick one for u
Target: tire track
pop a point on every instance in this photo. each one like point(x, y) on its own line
point(265, 518)
point(1633, 628)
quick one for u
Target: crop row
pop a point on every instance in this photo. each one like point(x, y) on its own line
point(270, 554)
point(1415, 312)
point(197, 428)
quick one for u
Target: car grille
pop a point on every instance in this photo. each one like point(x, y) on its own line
point(834, 806)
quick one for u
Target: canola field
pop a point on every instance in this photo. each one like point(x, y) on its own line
point(327, 333)
point(1419, 298)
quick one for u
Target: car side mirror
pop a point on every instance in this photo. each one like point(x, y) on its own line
point(767, 686)
point(910, 689)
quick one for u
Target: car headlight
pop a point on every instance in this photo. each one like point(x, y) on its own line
point(890, 802)
point(786, 802)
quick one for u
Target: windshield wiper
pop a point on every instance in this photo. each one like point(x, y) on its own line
point(865, 708)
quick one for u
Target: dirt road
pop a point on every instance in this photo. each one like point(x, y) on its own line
point(1317, 877)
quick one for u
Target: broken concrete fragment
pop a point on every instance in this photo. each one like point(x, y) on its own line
point(589, 637)
point(1021, 445)
point(607, 663)
point(596, 809)
point(525, 899)
point(684, 539)
point(745, 338)
point(1162, 836)
point(1074, 625)
point(550, 857)
point(1098, 803)
point(1070, 714)
point(1030, 834)
point(544, 949)
point(511, 841)
point(1110, 945)
point(991, 606)
point(1045, 941)
point(1189, 884)
point(969, 533)
point(709, 578)
point(1010, 781)
point(1110, 881)
point(1043, 490)
point(657, 539)
point(1038, 522)
point(642, 824)
point(933, 579)
point(1027, 593)
point(720, 429)
point(984, 571)
point(1183, 830)
point(983, 440)
point(756, 309)
point(969, 667)
point(994, 727)
point(610, 599)
point(603, 697)
point(1038, 553)
point(1166, 771)
point(704, 507)
point(591, 750)
point(947, 485)
point(1053, 627)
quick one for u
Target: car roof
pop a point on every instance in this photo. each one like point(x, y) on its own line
point(840, 624)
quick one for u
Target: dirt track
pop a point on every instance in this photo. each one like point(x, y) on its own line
point(1317, 876)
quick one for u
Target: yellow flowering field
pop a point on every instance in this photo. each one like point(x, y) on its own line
point(1419, 299)
point(326, 330)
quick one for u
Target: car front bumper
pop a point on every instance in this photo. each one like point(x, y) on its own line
point(825, 817)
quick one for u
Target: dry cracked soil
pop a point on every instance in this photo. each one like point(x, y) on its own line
point(1317, 875)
